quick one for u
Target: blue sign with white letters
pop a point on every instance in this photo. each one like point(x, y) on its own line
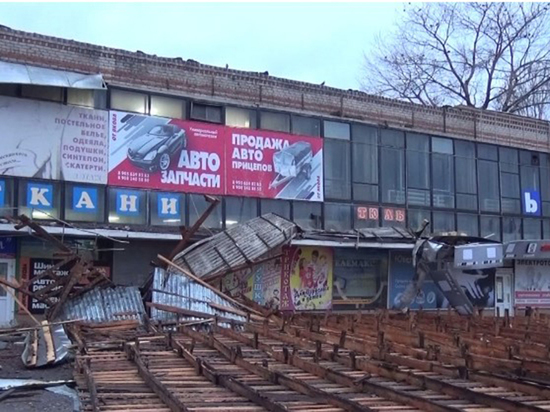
point(7, 247)
point(39, 195)
point(168, 205)
point(531, 203)
point(127, 202)
point(84, 199)
point(2, 193)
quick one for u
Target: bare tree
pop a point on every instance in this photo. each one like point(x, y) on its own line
point(485, 55)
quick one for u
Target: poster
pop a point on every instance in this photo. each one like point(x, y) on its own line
point(532, 283)
point(267, 283)
point(53, 141)
point(169, 154)
point(306, 278)
point(274, 165)
point(239, 283)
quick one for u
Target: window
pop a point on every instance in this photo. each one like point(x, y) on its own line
point(443, 222)
point(168, 107)
point(545, 229)
point(443, 173)
point(488, 186)
point(239, 209)
point(418, 169)
point(127, 206)
point(167, 209)
point(54, 94)
point(467, 224)
point(40, 199)
point(197, 205)
point(306, 126)
point(6, 197)
point(511, 229)
point(509, 180)
point(87, 98)
point(206, 113)
point(279, 207)
point(530, 178)
point(307, 215)
point(417, 217)
point(337, 169)
point(129, 101)
point(8, 89)
point(84, 203)
point(487, 152)
point(365, 163)
point(238, 117)
point(279, 122)
point(392, 161)
point(490, 227)
point(531, 229)
point(465, 175)
point(336, 130)
point(337, 217)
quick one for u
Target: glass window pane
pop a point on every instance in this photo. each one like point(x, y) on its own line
point(6, 197)
point(545, 183)
point(337, 169)
point(337, 217)
point(392, 179)
point(167, 209)
point(206, 112)
point(239, 209)
point(365, 192)
point(490, 227)
point(416, 219)
point(511, 228)
point(307, 126)
point(466, 202)
point(307, 215)
point(279, 122)
point(80, 97)
point(418, 164)
point(54, 94)
point(40, 199)
point(197, 205)
point(465, 168)
point(510, 205)
point(129, 101)
point(7, 89)
point(509, 185)
point(365, 163)
point(364, 134)
point(336, 130)
point(489, 194)
point(531, 229)
point(84, 203)
point(441, 145)
point(530, 178)
point(443, 180)
point(487, 152)
point(443, 222)
point(279, 207)
point(546, 229)
point(239, 117)
point(508, 159)
point(127, 206)
point(467, 224)
point(392, 138)
point(168, 107)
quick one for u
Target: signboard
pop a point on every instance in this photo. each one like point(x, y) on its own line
point(267, 283)
point(185, 156)
point(306, 278)
point(531, 203)
point(389, 214)
point(37, 267)
point(53, 141)
point(532, 283)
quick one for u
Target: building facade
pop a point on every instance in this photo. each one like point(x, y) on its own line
point(132, 157)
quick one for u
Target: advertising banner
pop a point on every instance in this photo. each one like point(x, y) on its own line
point(274, 165)
point(532, 283)
point(53, 141)
point(267, 283)
point(36, 267)
point(239, 283)
point(158, 153)
point(306, 278)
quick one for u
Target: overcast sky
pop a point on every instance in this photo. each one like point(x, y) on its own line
point(313, 42)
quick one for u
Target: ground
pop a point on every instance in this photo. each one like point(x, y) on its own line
point(36, 400)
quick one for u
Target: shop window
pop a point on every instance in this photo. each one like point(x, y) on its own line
point(87, 98)
point(167, 209)
point(50, 93)
point(239, 209)
point(465, 175)
point(365, 163)
point(336, 130)
point(129, 101)
point(279, 207)
point(443, 177)
point(40, 199)
point(418, 169)
point(127, 206)
point(531, 229)
point(511, 229)
point(84, 203)
point(467, 223)
point(307, 215)
point(207, 113)
point(6, 197)
point(487, 152)
point(416, 219)
point(306, 126)
point(197, 205)
point(170, 107)
point(337, 217)
point(443, 222)
point(337, 169)
point(490, 227)
point(489, 195)
point(238, 117)
point(279, 122)
point(8, 89)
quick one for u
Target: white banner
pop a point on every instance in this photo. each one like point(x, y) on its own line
point(532, 283)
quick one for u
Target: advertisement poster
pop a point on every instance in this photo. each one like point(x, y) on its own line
point(53, 141)
point(239, 283)
point(160, 153)
point(274, 165)
point(306, 278)
point(360, 279)
point(401, 278)
point(267, 283)
point(532, 283)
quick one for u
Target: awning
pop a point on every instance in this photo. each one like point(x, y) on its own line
point(16, 73)
point(355, 245)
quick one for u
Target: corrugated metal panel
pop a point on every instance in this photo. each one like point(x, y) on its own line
point(105, 305)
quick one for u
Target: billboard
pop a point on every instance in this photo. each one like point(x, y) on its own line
point(306, 278)
point(53, 141)
point(185, 156)
point(532, 283)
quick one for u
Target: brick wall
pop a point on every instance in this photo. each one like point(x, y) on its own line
point(192, 79)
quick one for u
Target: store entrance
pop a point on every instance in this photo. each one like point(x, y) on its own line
point(7, 272)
